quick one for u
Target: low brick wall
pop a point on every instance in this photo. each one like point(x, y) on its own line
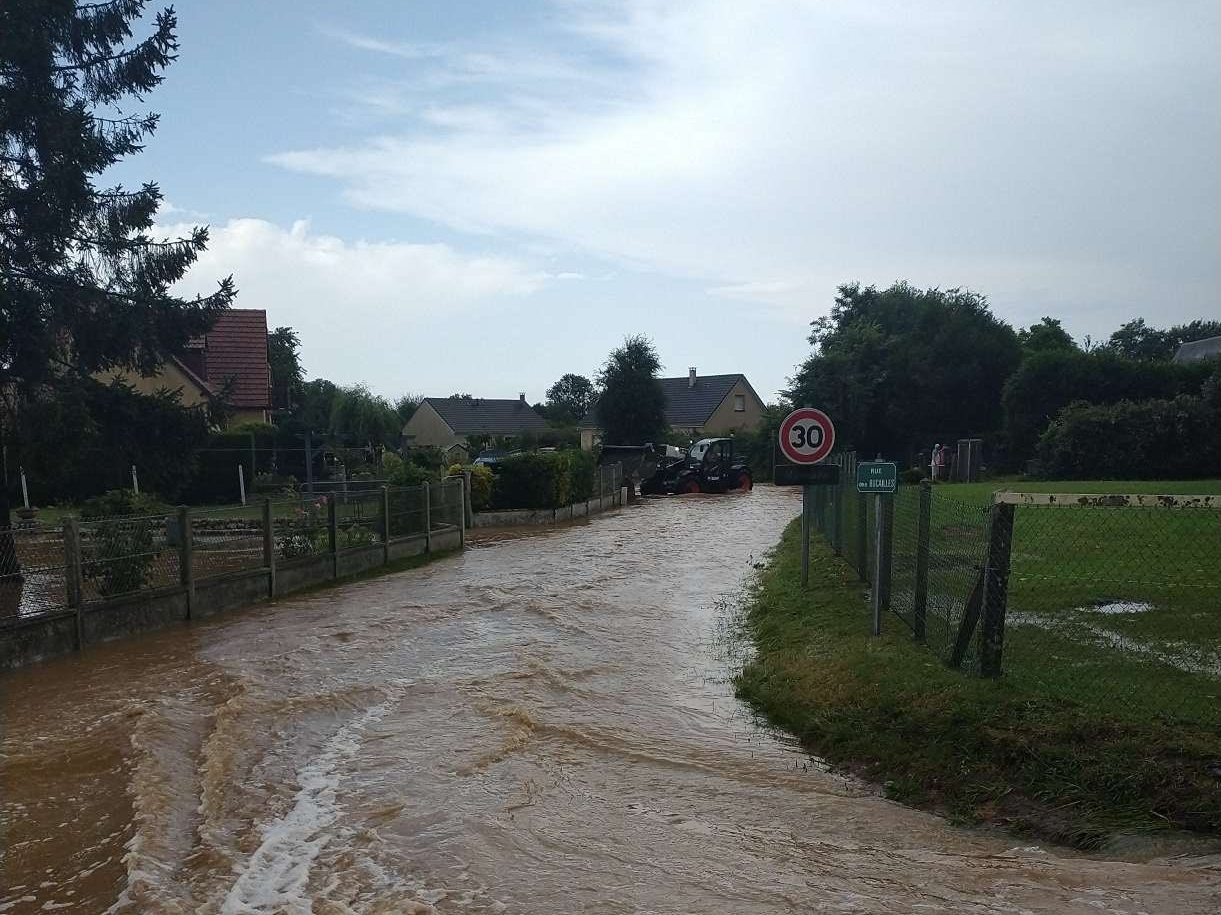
point(545, 516)
point(27, 640)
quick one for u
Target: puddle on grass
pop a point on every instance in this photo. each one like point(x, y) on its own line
point(1118, 607)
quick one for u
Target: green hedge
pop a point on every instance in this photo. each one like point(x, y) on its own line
point(1048, 382)
point(1176, 439)
point(546, 480)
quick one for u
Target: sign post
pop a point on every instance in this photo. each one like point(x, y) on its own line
point(879, 478)
point(806, 437)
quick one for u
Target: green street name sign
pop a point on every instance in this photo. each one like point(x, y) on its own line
point(877, 477)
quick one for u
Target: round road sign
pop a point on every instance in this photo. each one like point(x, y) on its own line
point(807, 436)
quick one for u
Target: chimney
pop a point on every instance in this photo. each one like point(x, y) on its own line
point(521, 396)
point(691, 377)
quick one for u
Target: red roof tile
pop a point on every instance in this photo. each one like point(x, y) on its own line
point(237, 349)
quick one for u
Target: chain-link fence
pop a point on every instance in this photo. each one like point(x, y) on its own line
point(227, 540)
point(32, 572)
point(1112, 601)
point(46, 570)
point(122, 555)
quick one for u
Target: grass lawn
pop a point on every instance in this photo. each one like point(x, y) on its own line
point(1119, 608)
point(1008, 752)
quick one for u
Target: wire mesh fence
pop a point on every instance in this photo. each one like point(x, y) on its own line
point(1109, 601)
point(300, 527)
point(227, 540)
point(123, 555)
point(407, 511)
point(46, 570)
point(1117, 602)
point(32, 572)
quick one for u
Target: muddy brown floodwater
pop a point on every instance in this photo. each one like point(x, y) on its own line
point(544, 724)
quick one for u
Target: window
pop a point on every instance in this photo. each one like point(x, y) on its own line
point(739, 403)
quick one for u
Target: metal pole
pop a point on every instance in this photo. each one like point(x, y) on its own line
point(805, 535)
point(241, 482)
point(135, 481)
point(876, 590)
point(385, 525)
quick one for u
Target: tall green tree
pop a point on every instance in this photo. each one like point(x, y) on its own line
point(360, 417)
point(632, 407)
point(1137, 340)
point(84, 286)
point(287, 375)
point(1048, 335)
point(896, 367)
point(568, 399)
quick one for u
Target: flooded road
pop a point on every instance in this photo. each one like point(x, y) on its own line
point(543, 724)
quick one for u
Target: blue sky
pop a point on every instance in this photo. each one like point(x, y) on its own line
point(482, 196)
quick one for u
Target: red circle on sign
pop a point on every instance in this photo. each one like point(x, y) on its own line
point(807, 435)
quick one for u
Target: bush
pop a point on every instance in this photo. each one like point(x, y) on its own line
point(1047, 382)
point(1134, 440)
point(913, 475)
point(543, 480)
point(481, 484)
point(119, 503)
point(412, 475)
point(121, 548)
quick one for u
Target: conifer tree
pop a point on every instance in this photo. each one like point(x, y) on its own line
point(84, 285)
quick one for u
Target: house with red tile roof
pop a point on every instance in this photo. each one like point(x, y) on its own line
point(229, 360)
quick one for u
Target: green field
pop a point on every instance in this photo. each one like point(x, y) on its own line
point(1113, 607)
point(1021, 754)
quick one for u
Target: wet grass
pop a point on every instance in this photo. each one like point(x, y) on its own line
point(982, 751)
point(1116, 607)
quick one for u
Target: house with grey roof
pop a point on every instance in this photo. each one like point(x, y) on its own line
point(443, 422)
point(1199, 350)
point(697, 405)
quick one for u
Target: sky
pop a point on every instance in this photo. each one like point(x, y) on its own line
point(478, 197)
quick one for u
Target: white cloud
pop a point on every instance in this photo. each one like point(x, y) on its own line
point(360, 307)
point(1040, 153)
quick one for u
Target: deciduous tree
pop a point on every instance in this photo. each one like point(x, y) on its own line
point(632, 407)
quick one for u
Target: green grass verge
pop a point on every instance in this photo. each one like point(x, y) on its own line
point(981, 751)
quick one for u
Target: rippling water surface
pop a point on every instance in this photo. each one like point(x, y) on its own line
point(543, 724)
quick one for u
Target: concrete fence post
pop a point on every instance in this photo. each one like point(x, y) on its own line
point(72, 576)
point(923, 526)
point(426, 500)
point(332, 531)
point(385, 525)
point(461, 530)
point(996, 591)
point(467, 505)
point(186, 556)
point(269, 547)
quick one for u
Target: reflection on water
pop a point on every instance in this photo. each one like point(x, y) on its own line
point(543, 724)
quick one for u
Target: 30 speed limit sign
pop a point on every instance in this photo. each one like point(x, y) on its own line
point(806, 436)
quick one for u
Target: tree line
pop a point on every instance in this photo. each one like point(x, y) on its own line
point(902, 368)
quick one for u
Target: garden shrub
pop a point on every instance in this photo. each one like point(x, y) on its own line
point(119, 550)
point(1134, 440)
point(543, 480)
point(913, 475)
